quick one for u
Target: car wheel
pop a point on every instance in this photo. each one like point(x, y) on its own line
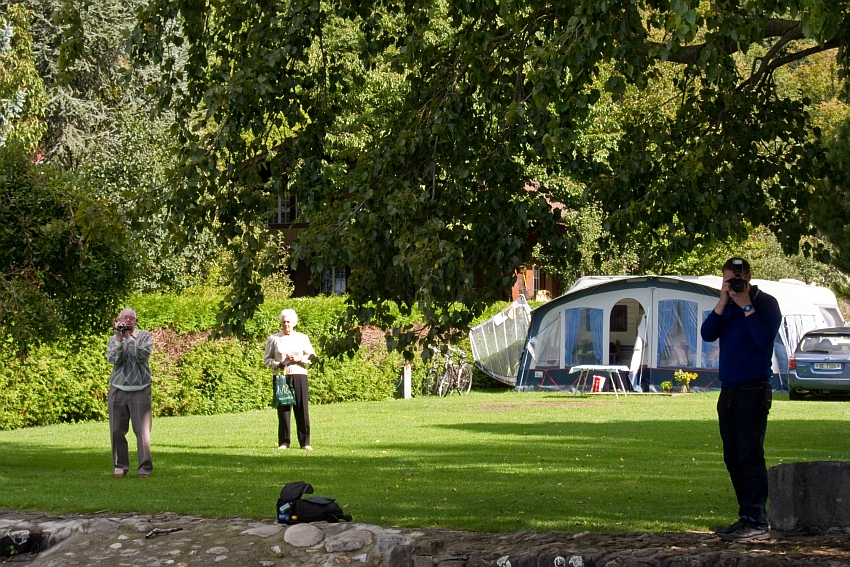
point(795, 396)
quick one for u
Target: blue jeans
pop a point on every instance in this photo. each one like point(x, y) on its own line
point(742, 411)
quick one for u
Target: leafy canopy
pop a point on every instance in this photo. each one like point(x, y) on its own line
point(412, 134)
point(65, 259)
point(22, 96)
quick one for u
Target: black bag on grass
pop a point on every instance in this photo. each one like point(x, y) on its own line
point(292, 509)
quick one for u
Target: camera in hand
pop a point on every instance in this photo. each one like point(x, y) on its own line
point(121, 327)
point(737, 283)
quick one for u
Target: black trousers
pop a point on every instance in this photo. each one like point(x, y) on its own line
point(742, 412)
point(302, 414)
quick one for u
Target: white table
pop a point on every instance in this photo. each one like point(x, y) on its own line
point(613, 372)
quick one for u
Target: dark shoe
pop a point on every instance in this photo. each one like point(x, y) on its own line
point(747, 533)
point(729, 529)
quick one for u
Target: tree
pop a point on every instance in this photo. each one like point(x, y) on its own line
point(22, 97)
point(89, 81)
point(832, 201)
point(430, 201)
point(130, 169)
point(65, 260)
point(96, 122)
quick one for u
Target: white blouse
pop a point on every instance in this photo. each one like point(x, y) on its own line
point(279, 346)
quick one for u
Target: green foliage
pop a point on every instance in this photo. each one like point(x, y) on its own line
point(767, 261)
point(431, 237)
point(59, 385)
point(89, 83)
point(98, 123)
point(226, 377)
point(22, 96)
point(413, 134)
point(64, 261)
point(195, 310)
point(170, 395)
point(56, 383)
point(317, 316)
point(833, 198)
point(59, 382)
point(368, 376)
point(817, 78)
point(186, 312)
point(131, 169)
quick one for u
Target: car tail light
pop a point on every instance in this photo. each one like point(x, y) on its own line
point(792, 364)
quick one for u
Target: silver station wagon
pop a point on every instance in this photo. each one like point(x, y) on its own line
point(821, 364)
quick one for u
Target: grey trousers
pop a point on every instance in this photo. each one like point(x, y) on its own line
point(125, 407)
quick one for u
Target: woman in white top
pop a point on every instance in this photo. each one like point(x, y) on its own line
point(289, 352)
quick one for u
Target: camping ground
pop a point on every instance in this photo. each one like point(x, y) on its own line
point(494, 462)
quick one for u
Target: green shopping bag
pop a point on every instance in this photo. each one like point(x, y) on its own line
point(284, 392)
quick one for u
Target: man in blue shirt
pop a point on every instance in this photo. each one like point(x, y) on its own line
point(746, 321)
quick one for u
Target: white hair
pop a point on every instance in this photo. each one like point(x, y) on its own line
point(131, 310)
point(291, 314)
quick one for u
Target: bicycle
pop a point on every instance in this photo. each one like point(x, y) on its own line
point(455, 377)
point(433, 375)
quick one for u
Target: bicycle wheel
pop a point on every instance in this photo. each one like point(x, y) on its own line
point(429, 385)
point(444, 388)
point(464, 379)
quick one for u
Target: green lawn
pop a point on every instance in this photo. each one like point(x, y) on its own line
point(489, 461)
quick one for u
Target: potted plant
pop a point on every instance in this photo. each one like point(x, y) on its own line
point(684, 378)
point(667, 386)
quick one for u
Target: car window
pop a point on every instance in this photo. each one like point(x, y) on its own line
point(825, 344)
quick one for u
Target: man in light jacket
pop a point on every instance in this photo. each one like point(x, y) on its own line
point(129, 351)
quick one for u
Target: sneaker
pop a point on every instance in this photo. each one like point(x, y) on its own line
point(747, 533)
point(118, 472)
point(307, 448)
point(144, 475)
point(282, 447)
point(729, 529)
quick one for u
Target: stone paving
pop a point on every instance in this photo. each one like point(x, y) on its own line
point(119, 540)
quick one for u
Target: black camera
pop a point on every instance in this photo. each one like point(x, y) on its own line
point(737, 283)
point(121, 327)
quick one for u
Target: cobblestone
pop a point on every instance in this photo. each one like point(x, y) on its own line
point(117, 540)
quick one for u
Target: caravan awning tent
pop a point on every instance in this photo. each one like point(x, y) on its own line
point(649, 323)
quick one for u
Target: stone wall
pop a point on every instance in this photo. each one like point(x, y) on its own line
point(809, 496)
point(120, 540)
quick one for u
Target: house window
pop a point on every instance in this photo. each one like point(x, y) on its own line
point(287, 209)
point(538, 280)
point(334, 281)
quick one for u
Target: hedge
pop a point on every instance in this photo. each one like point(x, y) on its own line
point(59, 383)
point(54, 385)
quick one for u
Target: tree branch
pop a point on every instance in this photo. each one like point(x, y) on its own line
point(794, 32)
point(788, 30)
point(833, 43)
